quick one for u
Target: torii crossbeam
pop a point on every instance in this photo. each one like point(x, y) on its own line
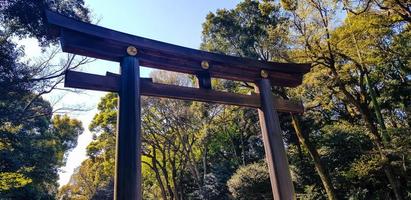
point(132, 51)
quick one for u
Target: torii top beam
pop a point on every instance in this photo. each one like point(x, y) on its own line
point(90, 40)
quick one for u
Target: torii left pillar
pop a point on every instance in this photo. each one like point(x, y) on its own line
point(127, 183)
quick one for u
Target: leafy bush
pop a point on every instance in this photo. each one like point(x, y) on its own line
point(251, 182)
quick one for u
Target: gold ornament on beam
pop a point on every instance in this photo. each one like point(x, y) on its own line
point(205, 65)
point(132, 51)
point(264, 74)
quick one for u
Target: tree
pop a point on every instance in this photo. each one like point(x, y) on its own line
point(399, 10)
point(95, 176)
point(33, 143)
point(27, 128)
point(343, 76)
point(87, 183)
point(16, 21)
point(25, 146)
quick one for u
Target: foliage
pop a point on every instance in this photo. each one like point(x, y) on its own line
point(28, 134)
point(16, 21)
point(25, 146)
point(33, 142)
point(252, 30)
point(11, 180)
point(251, 182)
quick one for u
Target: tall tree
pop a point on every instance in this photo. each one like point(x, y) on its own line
point(344, 75)
point(33, 144)
point(32, 153)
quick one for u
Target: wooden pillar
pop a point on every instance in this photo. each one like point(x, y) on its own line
point(128, 158)
point(276, 156)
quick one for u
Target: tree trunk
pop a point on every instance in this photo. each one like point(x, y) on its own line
point(319, 166)
point(205, 154)
point(387, 165)
point(157, 173)
point(377, 110)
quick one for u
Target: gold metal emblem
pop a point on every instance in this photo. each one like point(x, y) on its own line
point(205, 65)
point(132, 51)
point(264, 74)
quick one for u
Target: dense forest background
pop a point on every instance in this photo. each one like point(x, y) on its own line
point(353, 141)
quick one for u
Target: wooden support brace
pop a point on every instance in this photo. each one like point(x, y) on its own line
point(204, 80)
point(110, 83)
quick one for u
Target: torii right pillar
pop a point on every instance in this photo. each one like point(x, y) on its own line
point(276, 156)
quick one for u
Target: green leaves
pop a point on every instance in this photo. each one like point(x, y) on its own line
point(243, 31)
point(18, 22)
point(251, 182)
point(66, 130)
point(12, 180)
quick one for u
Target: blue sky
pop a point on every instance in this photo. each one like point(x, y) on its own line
point(177, 22)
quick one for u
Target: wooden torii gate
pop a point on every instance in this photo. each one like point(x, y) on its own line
point(132, 51)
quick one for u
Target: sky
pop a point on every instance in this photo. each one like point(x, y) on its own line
point(177, 22)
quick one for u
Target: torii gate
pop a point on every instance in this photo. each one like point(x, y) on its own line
point(132, 51)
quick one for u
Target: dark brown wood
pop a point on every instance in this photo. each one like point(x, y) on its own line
point(77, 43)
point(110, 83)
point(276, 156)
point(88, 81)
point(127, 183)
point(99, 42)
point(204, 80)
